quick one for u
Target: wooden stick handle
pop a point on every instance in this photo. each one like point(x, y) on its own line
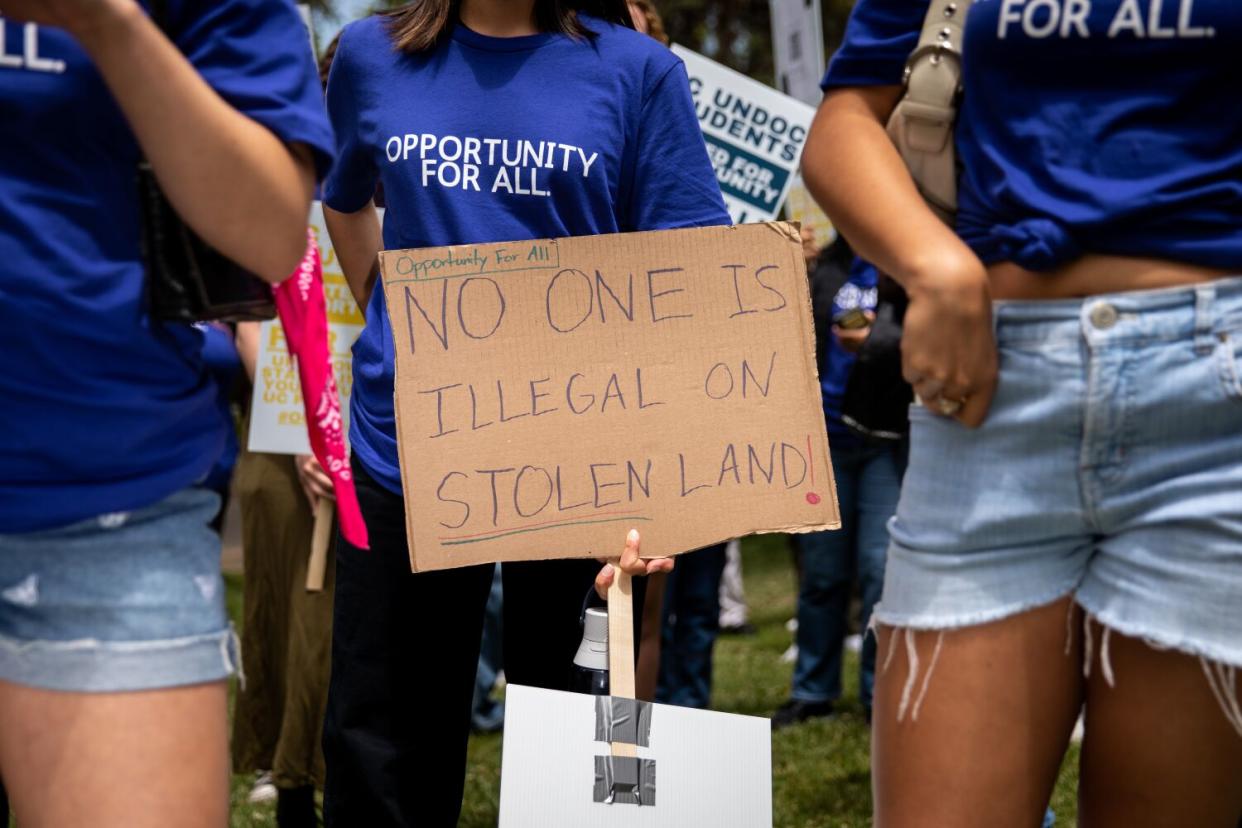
point(320, 539)
point(621, 644)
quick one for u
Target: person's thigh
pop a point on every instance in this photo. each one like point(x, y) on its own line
point(1163, 722)
point(116, 760)
point(977, 682)
point(1157, 750)
point(970, 724)
point(114, 647)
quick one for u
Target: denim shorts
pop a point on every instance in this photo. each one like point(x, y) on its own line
point(1109, 467)
point(120, 602)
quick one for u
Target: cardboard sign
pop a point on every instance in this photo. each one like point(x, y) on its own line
point(551, 394)
point(754, 136)
point(710, 768)
point(277, 419)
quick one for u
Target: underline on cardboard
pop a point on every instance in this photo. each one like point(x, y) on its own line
point(586, 521)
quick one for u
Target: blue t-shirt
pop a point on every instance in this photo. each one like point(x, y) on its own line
point(223, 366)
point(859, 291)
point(485, 139)
point(105, 410)
point(1086, 126)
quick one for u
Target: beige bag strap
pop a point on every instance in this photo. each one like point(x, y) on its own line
point(922, 123)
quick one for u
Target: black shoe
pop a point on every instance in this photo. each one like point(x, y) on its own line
point(796, 711)
point(295, 807)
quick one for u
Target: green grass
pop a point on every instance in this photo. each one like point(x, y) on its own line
point(820, 770)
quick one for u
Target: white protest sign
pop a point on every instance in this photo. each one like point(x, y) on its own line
point(710, 769)
point(277, 418)
point(754, 136)
point(798, 48)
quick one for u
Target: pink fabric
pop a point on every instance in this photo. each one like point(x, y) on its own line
point(304, 316)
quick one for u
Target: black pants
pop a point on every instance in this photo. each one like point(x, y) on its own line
point(405, 648)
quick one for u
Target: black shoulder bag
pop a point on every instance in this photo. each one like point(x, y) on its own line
point(187, 279)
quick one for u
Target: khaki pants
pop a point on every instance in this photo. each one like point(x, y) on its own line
point(286, 631)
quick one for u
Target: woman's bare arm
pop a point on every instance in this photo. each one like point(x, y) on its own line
point(356, 238)
point(232, 180)
point(855, 173)
point(246, 339)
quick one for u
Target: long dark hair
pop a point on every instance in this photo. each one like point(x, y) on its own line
point(419, 25)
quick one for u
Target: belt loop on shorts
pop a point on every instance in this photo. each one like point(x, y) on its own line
point(1205, 297)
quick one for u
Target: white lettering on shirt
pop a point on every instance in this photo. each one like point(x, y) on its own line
point(520, 166)
point(1075, 17)
point(1040, 19)
point(1127, 19)
point(1154, 29)
point(1035, 29)
point(586, 162)
point(1184, 29)
point(30, 59)
point(1009, 13)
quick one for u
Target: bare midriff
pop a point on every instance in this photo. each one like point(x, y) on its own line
point(1093, 275)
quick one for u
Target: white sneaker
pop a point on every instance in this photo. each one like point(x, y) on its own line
point(790, 655)
point(263, 790)
point(1079, 729)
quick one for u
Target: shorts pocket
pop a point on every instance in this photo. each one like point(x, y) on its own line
point(1229, 355)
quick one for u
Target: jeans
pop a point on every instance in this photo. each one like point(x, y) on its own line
point(868, 484)
point(691, 622)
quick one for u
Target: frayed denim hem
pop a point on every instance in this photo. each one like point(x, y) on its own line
point(90, 665)
point(1220, 669)
point(880, 614)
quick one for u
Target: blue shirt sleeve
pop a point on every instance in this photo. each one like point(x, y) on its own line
point(256, 54)
point(352, 181)
point(879, 38)
point(673, 183)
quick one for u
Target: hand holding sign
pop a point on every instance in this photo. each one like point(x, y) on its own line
point(631, 564)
